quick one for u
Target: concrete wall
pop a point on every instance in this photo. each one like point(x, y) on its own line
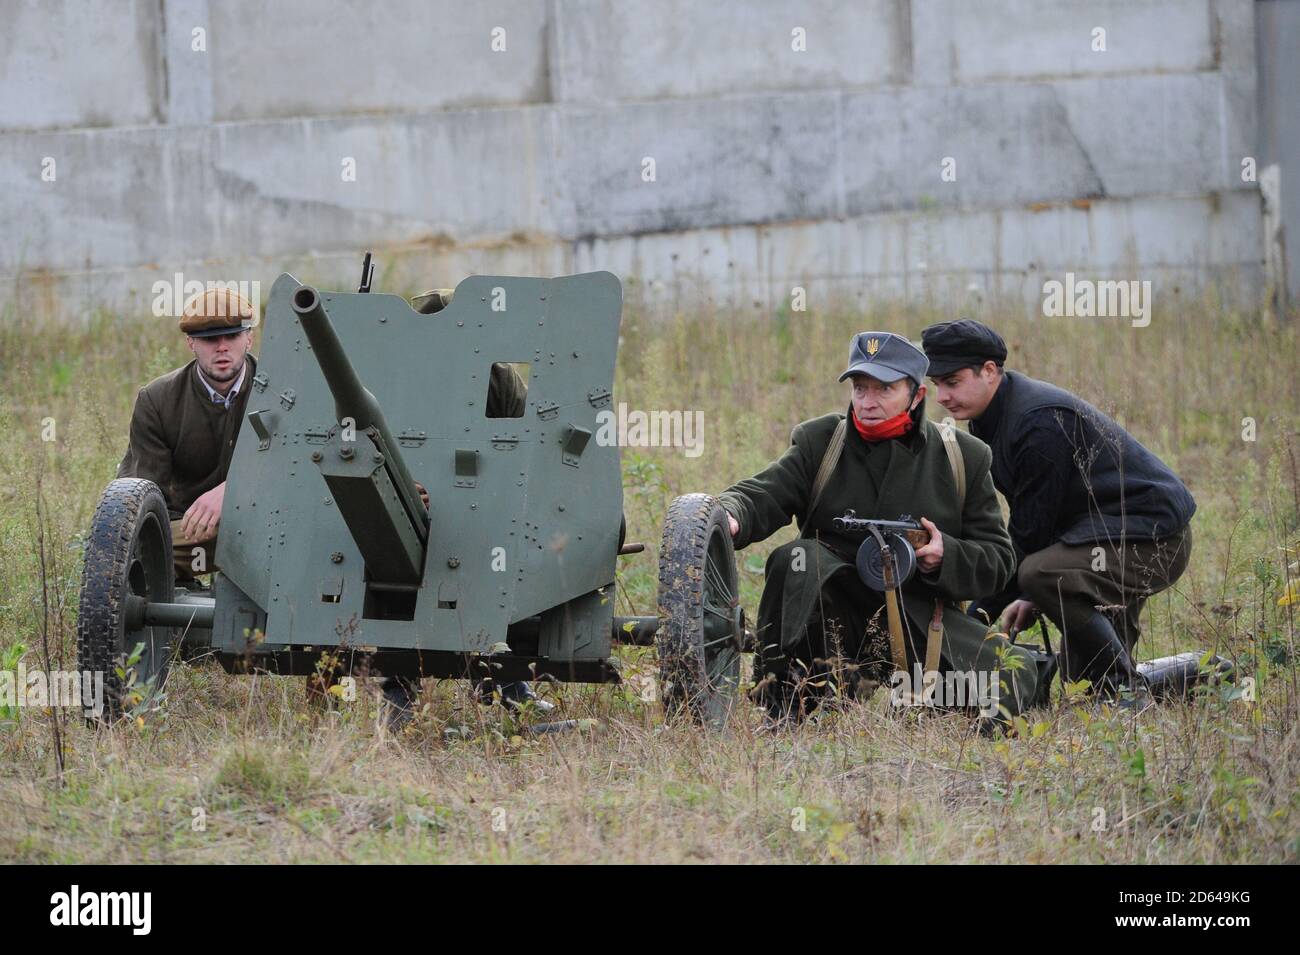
point(513, 137)
point(66, 65)
point(1279, 111)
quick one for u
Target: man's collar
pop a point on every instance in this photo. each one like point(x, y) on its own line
point(216, 396)
point(986, 425)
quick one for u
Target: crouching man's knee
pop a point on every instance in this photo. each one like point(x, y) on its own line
point(1038, 583)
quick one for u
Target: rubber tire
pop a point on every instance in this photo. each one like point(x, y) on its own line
point(129, 550)
point(692, 679)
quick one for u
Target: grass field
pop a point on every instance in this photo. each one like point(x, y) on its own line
point(239, 769)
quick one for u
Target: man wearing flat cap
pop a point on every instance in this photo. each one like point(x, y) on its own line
point(883, 459)
point(1099, 523)
point(184, 425)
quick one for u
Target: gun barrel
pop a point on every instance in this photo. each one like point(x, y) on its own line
point(847, 523)
point(353, 400)
point(910, 529)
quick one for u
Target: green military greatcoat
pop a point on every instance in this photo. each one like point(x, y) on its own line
point(885, 480)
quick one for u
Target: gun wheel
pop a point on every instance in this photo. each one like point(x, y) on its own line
point(128, 564)
point(700, 622)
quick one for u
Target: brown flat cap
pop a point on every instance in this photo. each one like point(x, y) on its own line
point(218, 311)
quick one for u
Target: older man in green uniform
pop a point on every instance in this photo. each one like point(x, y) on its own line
point(883, 460)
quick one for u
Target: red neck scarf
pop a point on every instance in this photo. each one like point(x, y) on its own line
point(894, 427)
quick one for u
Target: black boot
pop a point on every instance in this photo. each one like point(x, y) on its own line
point(1095, 652)
point(400, 696)
point(785, 697)
point(777, 698)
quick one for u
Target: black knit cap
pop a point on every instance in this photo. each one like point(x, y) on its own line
point(961, 344)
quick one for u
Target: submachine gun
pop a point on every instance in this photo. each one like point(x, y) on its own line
point(886, 560)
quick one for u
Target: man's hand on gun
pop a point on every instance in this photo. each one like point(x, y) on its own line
point(200, 522)
point(930, 556)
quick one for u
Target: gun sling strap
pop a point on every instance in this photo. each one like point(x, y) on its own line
point(893, 612)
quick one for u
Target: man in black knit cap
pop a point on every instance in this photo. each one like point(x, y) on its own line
point(1098, 522)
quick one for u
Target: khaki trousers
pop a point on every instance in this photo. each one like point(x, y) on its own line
point(191, 556)
point(1068, 583)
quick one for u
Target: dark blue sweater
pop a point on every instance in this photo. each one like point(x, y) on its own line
point(1071, 474)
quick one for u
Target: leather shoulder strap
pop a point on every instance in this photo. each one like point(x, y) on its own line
point(957, 461)
point(829, 460)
